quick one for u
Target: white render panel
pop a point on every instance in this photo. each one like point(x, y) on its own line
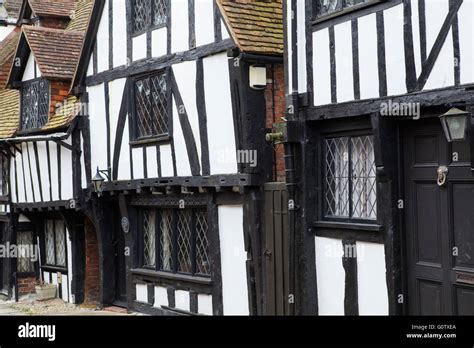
point(139, 47)
point(415, 23)
point(99, 130)
point(4, 31)
point(220, 123)
point(204, 26)
point(179, 26)
point(185, 73)
point(125, 171)
point(330, 276)
point(119, 33)
point(161, 297)
point(67, 191)
point(65, 288)
point(83, 165)
point(53, 153)
point(90, 67)
point(344, 74)
point(142, 293)
point(302, 66)
point(442, 74)
point(29, 73)
point(435, 14)
point(182, 160)
point(368, 59)
point(159, 42)
point(205, 304)
point(44, 169)
point(233, 260)
point(166, 161)
point(137, 157)
point(103, 40)
point(289, 36)
point(395, 51)
point(321, 68)
point(182, 300)
point(466, 43)
point(224, 32)
point(151, 162)
point(371, 279)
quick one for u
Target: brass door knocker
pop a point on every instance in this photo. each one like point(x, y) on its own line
point(442, 175)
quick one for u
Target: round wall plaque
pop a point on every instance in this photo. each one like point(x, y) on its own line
point(125, 225)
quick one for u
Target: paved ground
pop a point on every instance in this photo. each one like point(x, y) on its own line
point(28, 306)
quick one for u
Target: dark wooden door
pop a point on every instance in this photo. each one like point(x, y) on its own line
point(275, 253)
point(439, 222)
point(120, 266)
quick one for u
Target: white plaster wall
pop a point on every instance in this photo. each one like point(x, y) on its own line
point(67, 279)
point(44, 169)
point(119, 33)
point(99, 128)
point(116, 93)
point(138, 170)
point(204, 22)
point(371, 278)
point(220, 124)
point(344, 75)
point(139, 47)
point(161, 297)
point(152, 163)
point(182, 300)
point(29, 73)
point(233, 260)
point(330, 276)
point(466, 43)
point(179, 26)
point(301, 29)
point(159, 42)
point(289, 46)
point(368, 60)
point(103, 40)
point(182, 159)
point(67, 191)
point(205, 304)
point(321, 68)
point(166, 161)
point(141, 293)
point(53, 153)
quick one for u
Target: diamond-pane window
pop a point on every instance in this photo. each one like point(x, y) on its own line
point(34, 104)
point(350, 181)
point(149, 238)
point(151, 106)
point(166, 242)
point(181, 243)
point(25, 243)
point(148, 14)
point(327, 7)
point(55, 243)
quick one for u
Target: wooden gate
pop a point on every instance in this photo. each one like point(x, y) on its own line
point(275, 251)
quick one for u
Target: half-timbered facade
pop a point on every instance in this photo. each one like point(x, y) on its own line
point(178, 157)
point(383, 207)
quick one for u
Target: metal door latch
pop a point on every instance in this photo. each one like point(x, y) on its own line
point(442, 174)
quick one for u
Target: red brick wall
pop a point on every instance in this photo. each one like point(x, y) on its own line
point(275, 100)
point(92, 281)
point(59, 92)
point(26, 285)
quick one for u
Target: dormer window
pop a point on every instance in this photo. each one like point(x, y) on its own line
point(34, 104)
point(148, 14)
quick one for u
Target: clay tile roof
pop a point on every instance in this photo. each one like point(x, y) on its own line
point(52, 8)
point(81, 15)
point(56, 51)
point(66, 113)
point(255, 25)
point(13, 7)
point(9, 112)
point(7, 54)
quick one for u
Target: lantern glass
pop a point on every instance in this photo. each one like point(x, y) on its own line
point(454, 124)
point(98, 181)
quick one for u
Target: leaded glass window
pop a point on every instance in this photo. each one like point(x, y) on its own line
point(34, 104)
point(179, 239)
point(151, 107)
point(25, 246)
point(3, 175)
point(350, 182)
point(326, 7)
point(55, 243)
point(148, 14)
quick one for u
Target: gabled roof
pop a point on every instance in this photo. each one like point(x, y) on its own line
point(56, 51)
point(81, 15)
point(255, 25)
point(52, 8)
point(7, 54)
point(13, 7)
point(9, 112)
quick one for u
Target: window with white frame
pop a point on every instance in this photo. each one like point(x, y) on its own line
point(323, 8)
point(148, 14)
point(350, 189)
point(151, 107)
point(34, 104)
point(175, 240)
point(55, 243)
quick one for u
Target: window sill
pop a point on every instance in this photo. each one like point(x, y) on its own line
point(148, 141)
point(348, 226)
point(172, 276)
point(47, 268)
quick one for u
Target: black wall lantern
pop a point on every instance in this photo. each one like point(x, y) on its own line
point(98, 180)
point(454, 124)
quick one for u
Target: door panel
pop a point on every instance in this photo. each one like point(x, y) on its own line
point(439, 222)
